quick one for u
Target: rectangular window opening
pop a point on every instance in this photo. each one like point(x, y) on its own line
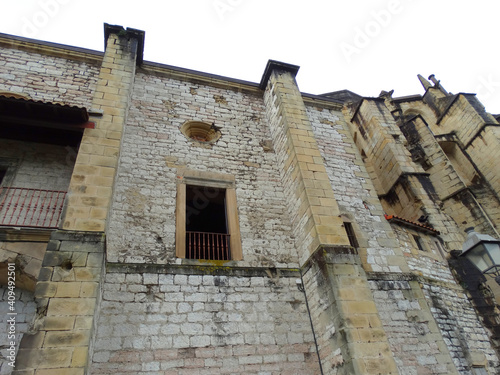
point(350, 234)
point(419, 243)
point(3, 172)
point(440, 249)
point(207, 232)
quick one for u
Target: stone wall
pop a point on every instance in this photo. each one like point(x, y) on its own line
point(25, 307)
point(322, 308)
point(297, 175)
point(152, 322)
point(48, 78)
point(66, 294)
point(142, 227)
point(37, 165)
point(428, 320)
point(413, 335)
point(356, 195)
point(465, 337)
point(429, 263)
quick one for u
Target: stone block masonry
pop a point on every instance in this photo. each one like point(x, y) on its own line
point(413, 335)
point(25, 307)
point(465, 337)
point(202, 324)
point(60, 79)
point(431, 327)
point(116, 293)
point(322, 242)
point(314, 211)
point(38, 166)
point(68, 286)
point(95, 167)
point(66, 296)
point(154, 152)
point(355, 193)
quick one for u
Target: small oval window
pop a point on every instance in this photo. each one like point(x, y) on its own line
point(201, 131)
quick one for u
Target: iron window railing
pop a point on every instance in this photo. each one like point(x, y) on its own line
point(24, 207)
point(210, 246)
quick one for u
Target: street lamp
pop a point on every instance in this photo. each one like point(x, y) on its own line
point(483, 251)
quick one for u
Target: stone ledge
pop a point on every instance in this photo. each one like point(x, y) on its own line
point(332, 255)
point(408, 276)
point(25, 234)
point(79, 236)
point(199, 269)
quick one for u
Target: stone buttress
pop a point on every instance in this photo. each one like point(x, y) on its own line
point(357, 343)
point(67, 293)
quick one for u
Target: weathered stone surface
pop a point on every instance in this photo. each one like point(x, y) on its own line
point(304, 173)
point(142, 228)
point(216, 323)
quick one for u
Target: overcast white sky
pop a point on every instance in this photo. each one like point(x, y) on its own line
point(362, 45)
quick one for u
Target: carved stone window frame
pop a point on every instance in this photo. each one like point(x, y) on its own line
point(208, 179)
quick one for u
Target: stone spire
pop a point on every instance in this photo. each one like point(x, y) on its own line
point(424, 82)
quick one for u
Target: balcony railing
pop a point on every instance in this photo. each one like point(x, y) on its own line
point(210, 246)
point(23, 207)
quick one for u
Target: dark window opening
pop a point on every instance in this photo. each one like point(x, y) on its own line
point(206, 223)
point(3, 172)
point(350, 234)
point(418, 241)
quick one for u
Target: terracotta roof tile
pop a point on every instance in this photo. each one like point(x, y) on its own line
point(413, 224)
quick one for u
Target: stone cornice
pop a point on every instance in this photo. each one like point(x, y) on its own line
point(51, 49)
point(277, 65)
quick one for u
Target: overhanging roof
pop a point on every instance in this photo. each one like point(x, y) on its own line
point(411, 224)
point(37, 121)
point(27, 110)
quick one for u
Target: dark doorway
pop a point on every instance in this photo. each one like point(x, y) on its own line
point(206, 223)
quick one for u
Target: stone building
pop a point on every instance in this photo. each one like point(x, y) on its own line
point(167, 221)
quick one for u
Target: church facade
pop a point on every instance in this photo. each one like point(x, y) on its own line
point(159, 220)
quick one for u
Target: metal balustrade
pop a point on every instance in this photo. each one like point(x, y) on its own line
point(210, 246)
point(23, 207)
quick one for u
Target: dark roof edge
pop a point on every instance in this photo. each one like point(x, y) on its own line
point(139, 35)
point(152, 64)
point(357, 105)
point(277, 65)
point(321, 97)
point(408, 98)
point(417, 226)
point(52, 45)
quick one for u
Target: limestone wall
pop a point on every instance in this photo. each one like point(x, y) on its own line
point(355, 193)
point(25, 308)
point(203, 324)
point(142, 226)
point(432, 262)
point(413, 335)
point(421, 340)
point(47, 78)
point(37, 165)
point(465, 337)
